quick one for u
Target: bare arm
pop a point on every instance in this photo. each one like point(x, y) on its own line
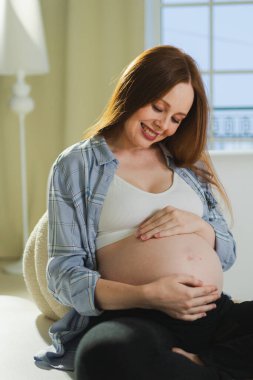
point(112, 295)
point(180, 296)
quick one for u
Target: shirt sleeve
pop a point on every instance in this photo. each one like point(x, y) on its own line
point(225, 244)
point(69, 280)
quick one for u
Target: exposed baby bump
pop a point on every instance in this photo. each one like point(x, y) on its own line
point(133, 261)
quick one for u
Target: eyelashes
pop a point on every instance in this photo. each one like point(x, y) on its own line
point(157, 109)
point(176, 121)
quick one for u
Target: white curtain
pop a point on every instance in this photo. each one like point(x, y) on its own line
point(89, 43)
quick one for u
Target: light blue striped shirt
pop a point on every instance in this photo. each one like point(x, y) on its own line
point(78, 183)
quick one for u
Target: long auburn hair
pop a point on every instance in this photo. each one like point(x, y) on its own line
point(149, 77)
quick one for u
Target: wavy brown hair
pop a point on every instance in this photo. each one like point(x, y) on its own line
point(149, 77)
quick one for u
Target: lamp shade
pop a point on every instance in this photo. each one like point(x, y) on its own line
point(22, 41)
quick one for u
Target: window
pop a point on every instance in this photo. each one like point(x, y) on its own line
point(218, 34)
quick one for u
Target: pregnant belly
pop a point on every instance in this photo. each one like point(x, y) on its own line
point(137, 262)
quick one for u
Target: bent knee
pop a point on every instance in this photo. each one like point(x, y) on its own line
point(120, 333)
point(116, 345)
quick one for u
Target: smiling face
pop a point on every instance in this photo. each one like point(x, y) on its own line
point(157, 120)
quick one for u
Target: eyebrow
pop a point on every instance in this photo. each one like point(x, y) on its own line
point(178, 113)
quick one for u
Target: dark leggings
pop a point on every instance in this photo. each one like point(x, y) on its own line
point(136, 344)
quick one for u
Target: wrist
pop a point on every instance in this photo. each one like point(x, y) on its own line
point(112, 295)
point(140, 296)
point(146, 296)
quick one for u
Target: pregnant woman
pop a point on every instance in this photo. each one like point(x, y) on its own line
point(137, 241)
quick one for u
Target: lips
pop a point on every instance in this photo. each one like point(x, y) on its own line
point(148, 133)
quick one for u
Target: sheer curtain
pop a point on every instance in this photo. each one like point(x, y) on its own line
point(89, 43)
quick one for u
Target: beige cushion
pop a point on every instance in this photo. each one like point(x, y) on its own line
point(34, 268)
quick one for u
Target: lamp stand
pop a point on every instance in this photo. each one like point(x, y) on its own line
point(21, 103)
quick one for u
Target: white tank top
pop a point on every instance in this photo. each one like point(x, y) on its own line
point(126, 207)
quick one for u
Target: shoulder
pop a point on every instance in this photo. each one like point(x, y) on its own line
point(199, 180)
point(73, 168)
point(80, 156)
point(192, 176)
point(184, 170)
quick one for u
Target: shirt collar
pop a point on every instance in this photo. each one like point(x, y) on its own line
point(101, 150)
point(167, 154)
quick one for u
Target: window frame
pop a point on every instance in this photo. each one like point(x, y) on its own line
point(152, 37)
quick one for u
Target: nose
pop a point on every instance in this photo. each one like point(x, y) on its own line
point(163, 123)
point(166, 126)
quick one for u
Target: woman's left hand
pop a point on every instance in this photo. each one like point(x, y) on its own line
point(170, 221)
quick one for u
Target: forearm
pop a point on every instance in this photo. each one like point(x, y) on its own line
point(112, 295)
point(72, 284)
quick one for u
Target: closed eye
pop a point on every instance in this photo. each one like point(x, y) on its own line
point(176, 121)
point(157, 109)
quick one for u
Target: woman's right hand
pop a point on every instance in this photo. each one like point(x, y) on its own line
point(181, 296)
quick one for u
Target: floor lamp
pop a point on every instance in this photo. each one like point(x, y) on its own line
point(22, 52)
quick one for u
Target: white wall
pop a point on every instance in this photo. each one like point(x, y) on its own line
point(236, 172)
